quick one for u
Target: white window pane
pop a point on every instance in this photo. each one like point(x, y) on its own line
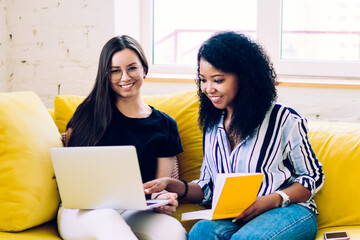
point(321, 30)
point(181, 26)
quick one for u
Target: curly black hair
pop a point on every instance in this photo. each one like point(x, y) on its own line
point(235, 53)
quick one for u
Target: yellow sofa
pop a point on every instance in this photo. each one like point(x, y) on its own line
point(28, 130)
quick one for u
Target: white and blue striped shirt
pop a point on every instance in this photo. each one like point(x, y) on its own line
point(279, 148)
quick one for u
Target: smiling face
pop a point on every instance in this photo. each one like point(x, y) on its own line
point(220, 87)
point(128, 83)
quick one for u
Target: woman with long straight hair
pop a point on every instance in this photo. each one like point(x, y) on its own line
point(115, 114)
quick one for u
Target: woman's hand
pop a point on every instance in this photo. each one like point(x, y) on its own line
point(171, 207)
point(156, 185)
point(65, 137)
point(261, 205)
point(194, 191)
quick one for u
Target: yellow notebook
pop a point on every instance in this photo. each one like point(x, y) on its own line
point(233, 193)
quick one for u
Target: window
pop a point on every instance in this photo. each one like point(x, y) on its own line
point(179, 34)
point(319, 38)
point(332, 34)
point(302, 37)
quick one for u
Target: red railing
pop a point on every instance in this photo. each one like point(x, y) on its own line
point(175, 36)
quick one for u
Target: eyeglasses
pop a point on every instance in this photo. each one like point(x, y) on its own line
point(132, 72)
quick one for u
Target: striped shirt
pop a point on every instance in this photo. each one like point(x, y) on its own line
point(279, 149)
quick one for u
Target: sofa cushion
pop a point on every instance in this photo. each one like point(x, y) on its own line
point(47, 231)
point(183, 207)
point(28, 191)
point(64, 108)
point(184, 107)
point(337, 146)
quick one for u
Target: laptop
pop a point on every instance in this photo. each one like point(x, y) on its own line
point(100, 177)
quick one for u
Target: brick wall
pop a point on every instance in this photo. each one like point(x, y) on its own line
point(49, 43)
point(3, 42)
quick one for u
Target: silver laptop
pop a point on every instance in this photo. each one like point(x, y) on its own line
point(100, 177)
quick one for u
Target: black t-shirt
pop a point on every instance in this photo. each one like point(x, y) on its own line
point(153, 137)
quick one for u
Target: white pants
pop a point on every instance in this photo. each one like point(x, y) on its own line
point(109, 224)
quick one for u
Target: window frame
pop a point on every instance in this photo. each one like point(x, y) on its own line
point(268, 35)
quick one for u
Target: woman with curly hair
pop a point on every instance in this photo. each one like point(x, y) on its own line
point(245, 130)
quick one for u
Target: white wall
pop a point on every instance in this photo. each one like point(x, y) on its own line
point(127, 18)
point(323, 104)
point(315, 104)
point(3, 42)
point(53, 43)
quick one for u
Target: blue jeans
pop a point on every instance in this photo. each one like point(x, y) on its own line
point(289, 223)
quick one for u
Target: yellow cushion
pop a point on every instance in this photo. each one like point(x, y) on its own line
point(64, 108)
point(28, 191)
point(337, 146)
point(47, 231)
point(183, 107)
point(51, 112)
point(187, 207)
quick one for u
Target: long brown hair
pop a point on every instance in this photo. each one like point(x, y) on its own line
point(94, 114)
